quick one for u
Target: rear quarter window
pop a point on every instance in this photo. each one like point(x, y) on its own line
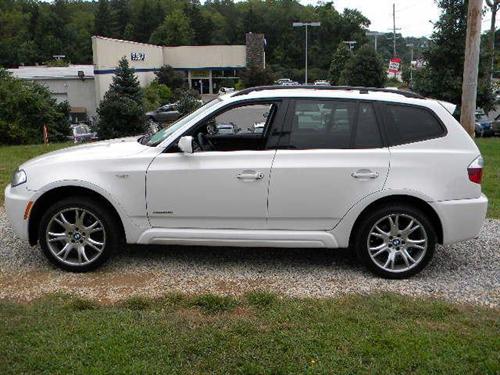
point(412, 124)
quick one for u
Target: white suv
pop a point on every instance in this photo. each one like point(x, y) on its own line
point(386, 173)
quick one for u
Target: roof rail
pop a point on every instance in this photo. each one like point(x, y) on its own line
point(361, 89)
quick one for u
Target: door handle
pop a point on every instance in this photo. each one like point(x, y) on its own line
point(364, 174)
point(250, 175)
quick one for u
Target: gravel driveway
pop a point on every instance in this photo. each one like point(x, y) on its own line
point(468, 272)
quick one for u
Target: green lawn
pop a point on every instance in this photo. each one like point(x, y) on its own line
point(490, 149)
point(12, 156)
point(259, 333)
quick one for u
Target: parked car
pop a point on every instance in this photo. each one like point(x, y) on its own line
point(283, 81)
point(387, 175)
point(496, 125)
point(225, 90)
point(321, 82)
point(82, 133)
point(165, 113)
point(483, 125)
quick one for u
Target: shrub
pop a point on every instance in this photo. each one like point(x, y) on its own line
point(156, 95)
point(25, 107)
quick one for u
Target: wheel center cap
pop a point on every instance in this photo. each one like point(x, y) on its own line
point(77, 236)
point(396, 242)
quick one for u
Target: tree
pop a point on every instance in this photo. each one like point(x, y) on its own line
point(174, 31)
point(25, 107)
point(147, 20)
point(121, 112)
point(121, 17)
point(441, 78)
point(103, 23)
point(169, 77)
point(339, 60)
point(365, 68)
point(257, 76)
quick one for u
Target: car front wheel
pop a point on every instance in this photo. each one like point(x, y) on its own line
point(78, 235)
point(396, 241)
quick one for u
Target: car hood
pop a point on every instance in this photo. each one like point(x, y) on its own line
point(91, 151)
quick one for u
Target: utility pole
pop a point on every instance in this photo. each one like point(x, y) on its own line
point(394, 29)
point(493, 5)
point(411, 63)
point(469, 84)
point(351, 44)
point(306, 24)
point(375, 35)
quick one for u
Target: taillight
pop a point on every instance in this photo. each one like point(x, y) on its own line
point(475, 170)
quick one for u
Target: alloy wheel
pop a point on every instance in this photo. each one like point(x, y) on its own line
point(397, 243)
point(75, 236)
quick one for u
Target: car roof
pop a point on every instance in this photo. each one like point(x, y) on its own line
point(265, 92)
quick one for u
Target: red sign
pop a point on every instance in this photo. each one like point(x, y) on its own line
point(394, 65)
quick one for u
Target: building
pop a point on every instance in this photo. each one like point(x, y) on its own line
point(74, 84)
point(206, 68)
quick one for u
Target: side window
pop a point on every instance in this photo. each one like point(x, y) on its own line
point(242, 120)
point(367, 131)
point(333, 124)
point(238, 128)
point(413, 124)
point(321, 124)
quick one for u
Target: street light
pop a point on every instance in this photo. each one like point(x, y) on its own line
point(375, 34)
point(411, 62)
point(350, 43)
point(306, 24)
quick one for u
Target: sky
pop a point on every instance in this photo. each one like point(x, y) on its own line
point(414, 17)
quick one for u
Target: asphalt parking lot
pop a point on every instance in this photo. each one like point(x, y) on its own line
point(467, 272)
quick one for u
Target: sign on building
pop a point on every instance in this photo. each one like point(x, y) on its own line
point(137, 56)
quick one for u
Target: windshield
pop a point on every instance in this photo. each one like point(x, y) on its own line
point(158, 137)
point(481, 117)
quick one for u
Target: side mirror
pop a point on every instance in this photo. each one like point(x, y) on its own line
point(185, 144)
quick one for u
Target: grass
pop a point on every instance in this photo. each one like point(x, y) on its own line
point(255, 334)
point(490, 149)
point(12, 156)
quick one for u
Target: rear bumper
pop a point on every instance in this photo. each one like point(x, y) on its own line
point(16, 200)
point(461, 219)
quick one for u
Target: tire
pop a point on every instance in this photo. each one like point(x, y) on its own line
point(71, 223)
point(395, 254)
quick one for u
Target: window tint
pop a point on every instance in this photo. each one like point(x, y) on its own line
point(322, 124)
point(413, 124)
point(367, 132)
point(333, 124)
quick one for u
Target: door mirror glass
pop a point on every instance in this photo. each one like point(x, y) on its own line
point(185, 144)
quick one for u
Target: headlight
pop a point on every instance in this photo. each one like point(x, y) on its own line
point(18, 178)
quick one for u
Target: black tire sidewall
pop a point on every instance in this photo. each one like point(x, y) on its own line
point(361, 239)
point(110, 226)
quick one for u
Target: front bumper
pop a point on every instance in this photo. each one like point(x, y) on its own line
point(461, 219)
point(16, 200)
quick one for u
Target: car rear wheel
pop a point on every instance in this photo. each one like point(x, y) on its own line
point(78, 235)
point(396, 241)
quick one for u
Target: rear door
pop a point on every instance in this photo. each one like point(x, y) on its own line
point(331, 155)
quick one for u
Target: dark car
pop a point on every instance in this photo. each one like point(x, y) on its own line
point(483, 126)
point(166, 113)
point(496, 125)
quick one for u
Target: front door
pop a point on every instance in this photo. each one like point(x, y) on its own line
point(332, 156)
point(224, 183)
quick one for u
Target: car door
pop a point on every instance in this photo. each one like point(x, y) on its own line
point(332, 154)
point(225, 187)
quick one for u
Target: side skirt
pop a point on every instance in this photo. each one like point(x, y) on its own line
point(237, 237)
